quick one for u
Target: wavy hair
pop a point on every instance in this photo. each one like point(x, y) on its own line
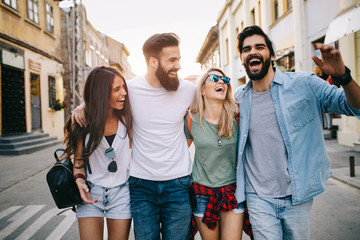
point(97, 92)
point(230, 106)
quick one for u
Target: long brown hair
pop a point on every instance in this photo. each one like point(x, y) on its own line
point(97, 91)
point(230, 107)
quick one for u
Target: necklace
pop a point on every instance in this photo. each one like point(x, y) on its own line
point(219, 141)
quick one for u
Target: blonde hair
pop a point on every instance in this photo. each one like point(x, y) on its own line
point(230, 107)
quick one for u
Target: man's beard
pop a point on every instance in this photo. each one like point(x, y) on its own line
point(264, 69)
point(169, 83)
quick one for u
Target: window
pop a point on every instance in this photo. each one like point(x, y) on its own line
point(49, 18)
point(33, 11)
point(88, 59)
point(237, 34)
point(259, 13)
point(11, 3)
point(227, 51)
point(252, 16)
point(52, 92)
point(289, 4)
point(288, 62)
point(276, 9)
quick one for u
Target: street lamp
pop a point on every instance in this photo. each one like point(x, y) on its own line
point(66, 6)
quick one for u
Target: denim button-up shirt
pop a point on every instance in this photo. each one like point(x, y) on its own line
point(299, 100)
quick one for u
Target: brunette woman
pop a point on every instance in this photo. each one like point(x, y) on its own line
point(101, 156)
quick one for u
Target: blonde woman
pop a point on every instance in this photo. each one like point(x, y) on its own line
point(212, 126)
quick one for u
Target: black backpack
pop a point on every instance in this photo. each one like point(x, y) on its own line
point(62, 184)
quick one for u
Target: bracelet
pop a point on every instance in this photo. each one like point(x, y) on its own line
point(343, 79)
point(79, 175)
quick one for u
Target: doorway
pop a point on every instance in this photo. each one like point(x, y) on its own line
point(12, 101)
point(35, 102)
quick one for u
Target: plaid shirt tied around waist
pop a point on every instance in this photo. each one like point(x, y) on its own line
point(220, 199)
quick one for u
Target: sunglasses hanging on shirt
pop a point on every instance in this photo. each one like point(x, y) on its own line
point(110, 153)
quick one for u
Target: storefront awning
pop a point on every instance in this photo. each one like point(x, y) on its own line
point(345, 23)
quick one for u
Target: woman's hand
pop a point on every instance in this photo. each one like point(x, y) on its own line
point(85, 192)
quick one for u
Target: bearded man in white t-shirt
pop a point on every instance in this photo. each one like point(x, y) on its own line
point(161, 165)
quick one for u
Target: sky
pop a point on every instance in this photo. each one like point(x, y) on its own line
point(133, 21)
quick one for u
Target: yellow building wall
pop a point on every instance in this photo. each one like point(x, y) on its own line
point(17, 25)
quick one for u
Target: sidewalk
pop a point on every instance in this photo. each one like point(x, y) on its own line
point(14, 169)
point(339, 156)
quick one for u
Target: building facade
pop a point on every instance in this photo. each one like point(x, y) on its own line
point(118, 57)
point(209, 54)
point(294, 26)
point(43, 64)
point(89, 49)
point(31, 68)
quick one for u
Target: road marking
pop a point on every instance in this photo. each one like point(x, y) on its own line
point(62, 228)
point(35, 226)
point(18, 219)
point(8, 211)
point(27, 212)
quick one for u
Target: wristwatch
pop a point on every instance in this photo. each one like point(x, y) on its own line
point(343, 79)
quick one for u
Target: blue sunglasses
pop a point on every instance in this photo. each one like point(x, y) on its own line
point(216, 78)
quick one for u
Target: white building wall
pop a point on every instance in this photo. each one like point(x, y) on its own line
point(223, 35)
point(349, 129)
point(234, 17)
point(282, 33)
point(318, 30)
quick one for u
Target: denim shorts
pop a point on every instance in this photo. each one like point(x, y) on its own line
point(114, 203)
point(201, 204)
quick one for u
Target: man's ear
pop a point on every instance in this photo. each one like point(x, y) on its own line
point(153, 62)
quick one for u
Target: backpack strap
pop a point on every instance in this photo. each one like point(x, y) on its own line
point(55, 154)
point(189, 122)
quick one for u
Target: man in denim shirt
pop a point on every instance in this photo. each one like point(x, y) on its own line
point(281, 145)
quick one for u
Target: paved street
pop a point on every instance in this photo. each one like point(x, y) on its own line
point(27, 210)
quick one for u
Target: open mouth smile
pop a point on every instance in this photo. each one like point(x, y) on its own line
point(254, 62)
point(219, 89)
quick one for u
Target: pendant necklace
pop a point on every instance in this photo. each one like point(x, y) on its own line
point(219, 141)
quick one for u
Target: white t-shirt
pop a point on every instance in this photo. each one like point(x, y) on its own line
point(99, 162)
point(159, 149)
